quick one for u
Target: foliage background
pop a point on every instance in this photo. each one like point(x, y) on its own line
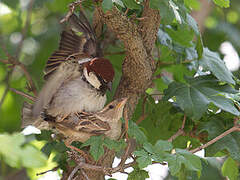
point(42, 39)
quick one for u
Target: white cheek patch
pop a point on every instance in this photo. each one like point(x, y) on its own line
point(81, 61)
point(92, 79)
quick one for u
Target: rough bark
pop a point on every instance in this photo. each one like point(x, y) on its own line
point(138, 66)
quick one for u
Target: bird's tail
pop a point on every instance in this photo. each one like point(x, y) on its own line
point(27, 118)
point(27, 114)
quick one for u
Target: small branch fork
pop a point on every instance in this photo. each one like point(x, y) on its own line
point(14, 62)
point(179, 132)
point(106, 170)
point(236, 127)
point(72, 7)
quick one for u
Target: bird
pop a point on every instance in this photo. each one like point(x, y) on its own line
point(81, 126)
point(76, 75)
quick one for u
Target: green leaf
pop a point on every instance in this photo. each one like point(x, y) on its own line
point(222, 3)
point(176, 11)
point(159, 151)
point(164, 38)
point(131, 4)
point(199, 46)
point(119, 2)
point(10, 148)
point(60, 147)
point(163, 146)
point(45, 135)
point(16, 155)
point(138, 174)
point(161, 117)
point(230, 169)
point(192, 23)
point(194, 96)
point(107, 5)
point(166, 12)
point(32, 157)
point(116, 145)
point(96, 146)
point(212, 62)
point(183, 157)
point(182, 35)
point(47, 148)
point(143, 158)
point(193, 4)
point(135, 132)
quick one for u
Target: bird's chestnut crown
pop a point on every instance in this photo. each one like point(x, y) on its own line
point(101, 67)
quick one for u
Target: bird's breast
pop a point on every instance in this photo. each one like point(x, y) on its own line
point(76, 96)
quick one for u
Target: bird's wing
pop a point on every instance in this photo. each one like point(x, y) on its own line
point(77, 39)
point(86, 122)
point(66, 71)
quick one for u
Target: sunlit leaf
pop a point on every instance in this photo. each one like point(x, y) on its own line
point(222, 3)
point(230, 169)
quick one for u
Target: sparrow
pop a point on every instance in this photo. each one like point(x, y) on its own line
point(81, 126)
point(77, 76)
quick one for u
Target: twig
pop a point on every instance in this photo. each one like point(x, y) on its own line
point(125, 156)
point(70, 177)
point(32, 98)
point(125, 13)
point(84, 174)
point(72, 7)
point(143, 116)
point(7, 87)
point(15, 62)
point(41, 173)
point(233, 129)
point(106, 170)
point(179, 132)
point(25, 28)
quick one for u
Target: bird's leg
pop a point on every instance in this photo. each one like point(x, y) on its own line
point(63, 117)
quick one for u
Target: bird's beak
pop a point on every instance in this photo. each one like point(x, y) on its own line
point(121, 103)
point(109, 86)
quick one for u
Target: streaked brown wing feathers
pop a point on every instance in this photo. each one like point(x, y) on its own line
point(91, 124)
point(77, 38)
point(54, 61)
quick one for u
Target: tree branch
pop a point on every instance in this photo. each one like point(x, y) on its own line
point(13, 61)
point(7, 87)
point(25, 28)
point(179, 132)
point(32, 98)
point(236, 127)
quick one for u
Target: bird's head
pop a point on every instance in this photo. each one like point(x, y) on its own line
point(114, 110)
point(99, 73)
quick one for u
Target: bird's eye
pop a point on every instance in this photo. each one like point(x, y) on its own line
point(111, 107)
